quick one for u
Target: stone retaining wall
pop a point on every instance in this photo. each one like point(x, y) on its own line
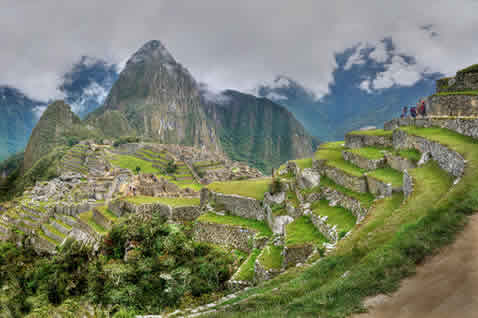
point(262, 274)
point(277, 223)
point(327, 230)
point(379, 188)
point(221, 234)
point(248, 208)
point(453, 105)
point(463, 126)
point(463, 81)
point(447, 159)
point(359, 141)
point(357, 184)
point(51, 234)
point(101, 219)
point(364, 163)
point(182, 213)
point(345, 201)
point(399, 163)
point(42, 245)
point(296, 254)
point(408, 184)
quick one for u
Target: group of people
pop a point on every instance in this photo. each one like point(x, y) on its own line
point(420, 109)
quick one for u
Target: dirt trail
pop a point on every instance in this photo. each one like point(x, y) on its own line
point(444, 286)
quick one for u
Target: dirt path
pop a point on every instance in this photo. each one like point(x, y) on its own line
point(445, 286)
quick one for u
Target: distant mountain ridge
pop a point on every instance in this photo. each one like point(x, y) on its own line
point(350, 104)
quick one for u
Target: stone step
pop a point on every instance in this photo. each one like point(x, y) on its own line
point(30, 222)
point(61, 227)
point(25, 214)
point(31, 210)
point(44, 243)
point(52, 233)
point(69, 220)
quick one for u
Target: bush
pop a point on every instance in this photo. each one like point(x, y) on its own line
point(275, 186)
point(172, 167)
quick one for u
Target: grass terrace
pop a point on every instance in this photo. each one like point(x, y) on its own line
point(388, 175)
point(41, 234)
point(233, 220)
point(107, 213)
point(303, 231)
point(303, 163)
point(271, 257)
point(130, 162)
point(252, 188)
point(87, 217)
point(339, 216)
point(246, 271)
point(410, 154)
point(374, 132)
point(332, 154)
point(470, 93)
point(173, 202)
point(370, 152)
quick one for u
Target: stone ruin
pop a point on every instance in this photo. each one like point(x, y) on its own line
point(456, 104)
point(152, 186)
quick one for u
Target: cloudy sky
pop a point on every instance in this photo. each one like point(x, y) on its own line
point(237, 44)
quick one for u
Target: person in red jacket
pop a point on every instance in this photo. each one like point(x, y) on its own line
point(423, 109)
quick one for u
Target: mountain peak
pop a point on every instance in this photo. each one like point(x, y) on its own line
point(152, 50)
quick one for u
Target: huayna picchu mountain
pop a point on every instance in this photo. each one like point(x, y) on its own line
point(49, 132)
point(157, 98)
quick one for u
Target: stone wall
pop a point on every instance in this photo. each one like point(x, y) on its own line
point(248, 208)
point(358, 141)
point(346, 202)
point(184, 213)
point(379, 188)
point(407, 184)
point(463, 126)
point(362, 162)
point(452, 105)
point(277, 223)
point(42, 245)
point(101, 219)
point(399, 163)
point(296, 254)
point(357, 184)
point(221, 234)
point(262, 274)
point(327, 230)
point(463, 81)
point(447, 159)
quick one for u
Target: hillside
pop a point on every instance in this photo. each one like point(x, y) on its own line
point(156, 98)
point(258, 131)
point(49, 132)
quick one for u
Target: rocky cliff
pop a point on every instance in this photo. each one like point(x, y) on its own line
point(159, 99)
point(57, 119)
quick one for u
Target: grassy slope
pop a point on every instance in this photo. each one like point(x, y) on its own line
point(303, 231)
point(374, 132)
point(174, 202)
point(332, 154)
point(369, 152)
point(253, 188)
point(383, 250)
point(388, 175)
point(339, 216)
point(258, 226)
point(246, 271)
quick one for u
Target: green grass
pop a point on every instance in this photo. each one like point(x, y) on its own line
point(49, 239)
point(469, 69)
point(54, 230)
point(174, 202)
point(86, 217)
point(410, 154)
point(369, 152)
point(66, 226)
point(271, 257)
point(303, 163)
point(365, 199)
point(246, 271)
point(130, 162)
point(394, 237)
point(339, 216)
point(374, 132)
point(332, 154)
point(471, 93)
point(252, 188)
point(388, 175)
point(188, 184)
point(233, 220)
point(303, 231)
point(107, 213)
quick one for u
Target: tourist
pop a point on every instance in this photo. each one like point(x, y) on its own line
point(423, 109)
point(413, 112)
point(404, 112)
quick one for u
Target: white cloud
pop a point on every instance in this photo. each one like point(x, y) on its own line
point(357, 58)
point(275, 96)
point(398, 72)
point(380, 53)
point(365, 85)
point(232, 44)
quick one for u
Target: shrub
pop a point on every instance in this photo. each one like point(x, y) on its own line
point(275, 186)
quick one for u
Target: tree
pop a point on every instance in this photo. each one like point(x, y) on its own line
point(138, 169)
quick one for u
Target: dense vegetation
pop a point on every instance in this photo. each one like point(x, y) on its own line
point(141, 267)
